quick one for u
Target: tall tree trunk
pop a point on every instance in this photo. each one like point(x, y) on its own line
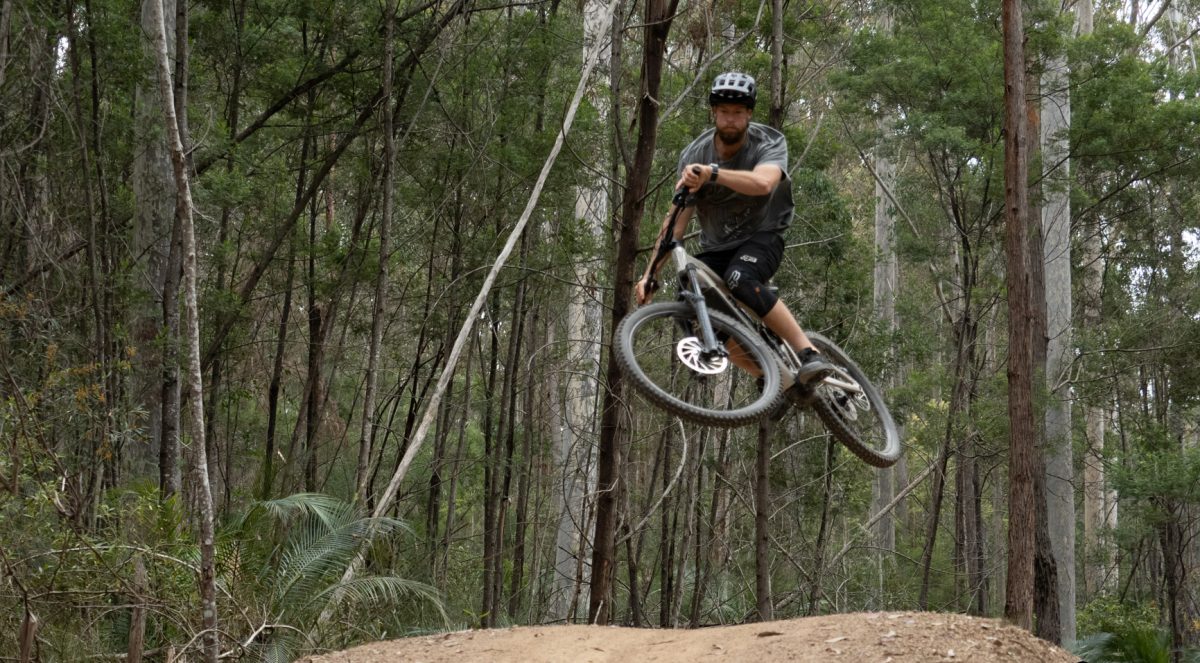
point(154, 217)
point(319, 321)
point(658, 17)
point(584, 328)
point(199, 471)
point(762, 534)
point(958, 437)
point(169, 478)
point(524, 479)
point(505, 442)
point(1022, 513)
point(887, 274)
point(455, 465)
point(775, 116)
point(1045, 565)
point(1056, 259)
point(815, 589)
point(1096, 506)
point(110, 453)
point(269, 453)
point(366, 434)
point(491, 470)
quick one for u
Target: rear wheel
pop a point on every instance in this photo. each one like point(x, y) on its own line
point(854, 411)
point(658, 346)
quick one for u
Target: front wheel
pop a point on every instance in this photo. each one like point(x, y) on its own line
point(853, 410)
point(658, 346)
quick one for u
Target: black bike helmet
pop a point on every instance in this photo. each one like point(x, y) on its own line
point(733, 88)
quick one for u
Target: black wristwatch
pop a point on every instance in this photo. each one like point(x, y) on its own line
point(715, 167)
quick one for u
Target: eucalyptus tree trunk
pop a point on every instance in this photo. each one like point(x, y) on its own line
point(887, 274)
point(1098, 512)
point(366, 434)
point(1056, 258)
point(1018, 606)
point(154, 192)
point(573, 453)
point(1045, 563)
point(199, 462)
point(659, 15)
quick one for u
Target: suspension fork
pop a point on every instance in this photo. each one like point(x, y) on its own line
point(695, 298)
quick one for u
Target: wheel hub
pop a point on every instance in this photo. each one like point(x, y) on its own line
point(690, 351)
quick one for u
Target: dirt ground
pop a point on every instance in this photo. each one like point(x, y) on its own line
point(861, 638)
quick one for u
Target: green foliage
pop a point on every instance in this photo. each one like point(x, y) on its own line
point(287, 556)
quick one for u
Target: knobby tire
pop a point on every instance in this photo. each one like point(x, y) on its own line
point(630, 351)
point(875, 439)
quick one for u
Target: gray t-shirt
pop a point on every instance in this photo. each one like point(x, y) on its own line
point(726, 217)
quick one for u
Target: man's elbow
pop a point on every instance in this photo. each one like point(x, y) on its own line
point(764, 187)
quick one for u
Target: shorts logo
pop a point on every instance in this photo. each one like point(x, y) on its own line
point(748, 258)
point(734, 278)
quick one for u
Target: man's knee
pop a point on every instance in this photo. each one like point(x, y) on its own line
point(750, 291)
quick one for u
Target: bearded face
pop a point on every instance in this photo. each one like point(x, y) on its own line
point(732, 121)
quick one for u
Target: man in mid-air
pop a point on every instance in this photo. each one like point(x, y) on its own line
point(737, 172)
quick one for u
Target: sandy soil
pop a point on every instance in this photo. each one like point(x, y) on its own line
point(861, 638)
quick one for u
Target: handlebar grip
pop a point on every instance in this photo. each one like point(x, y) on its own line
point(683, 197)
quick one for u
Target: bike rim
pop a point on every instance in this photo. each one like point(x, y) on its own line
point(673, 366)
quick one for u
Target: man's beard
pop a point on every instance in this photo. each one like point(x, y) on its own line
point(731, 136)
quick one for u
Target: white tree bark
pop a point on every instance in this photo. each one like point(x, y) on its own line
point(887, 274)
point(198, 456)
point(573, 453)
point(1096, 512)
point(1056, 256)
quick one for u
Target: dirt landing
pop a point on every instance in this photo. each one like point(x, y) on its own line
point(908, 637)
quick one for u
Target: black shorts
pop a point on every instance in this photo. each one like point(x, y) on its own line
point(758, 257)
point(748, 267)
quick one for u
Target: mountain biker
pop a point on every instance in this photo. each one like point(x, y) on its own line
point(737, 171)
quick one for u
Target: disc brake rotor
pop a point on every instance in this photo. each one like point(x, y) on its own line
point(691, 352)
point(848, 403)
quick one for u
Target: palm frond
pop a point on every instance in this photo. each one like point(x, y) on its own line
point(326, 508)
point(379, 589)
point(1135, 645)
point(319, 551)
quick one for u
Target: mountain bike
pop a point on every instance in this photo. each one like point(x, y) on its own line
point(684, 357)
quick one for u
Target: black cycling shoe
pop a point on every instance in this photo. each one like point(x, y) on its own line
point(813, 367)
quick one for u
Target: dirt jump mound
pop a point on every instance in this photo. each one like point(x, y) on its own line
point(908, 637)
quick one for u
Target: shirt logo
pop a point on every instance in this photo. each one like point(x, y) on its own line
point(748, 258)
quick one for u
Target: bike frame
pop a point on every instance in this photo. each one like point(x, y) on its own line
point(702, 288)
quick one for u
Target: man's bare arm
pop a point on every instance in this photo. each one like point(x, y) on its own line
point(758, 182)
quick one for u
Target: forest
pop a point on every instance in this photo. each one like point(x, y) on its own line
point(306, 316)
